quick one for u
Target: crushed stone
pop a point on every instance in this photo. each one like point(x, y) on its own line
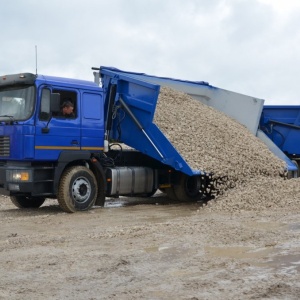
point(211, 141)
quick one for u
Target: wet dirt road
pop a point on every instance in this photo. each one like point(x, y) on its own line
point(148, 249)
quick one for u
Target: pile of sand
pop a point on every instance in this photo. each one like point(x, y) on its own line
point(211, 141)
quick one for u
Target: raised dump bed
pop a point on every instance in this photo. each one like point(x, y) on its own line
point(245, 109)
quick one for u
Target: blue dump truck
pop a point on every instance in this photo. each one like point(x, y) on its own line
point(79, 160)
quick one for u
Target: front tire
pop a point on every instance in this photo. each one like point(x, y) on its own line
point(27, 201)
point(77, 189)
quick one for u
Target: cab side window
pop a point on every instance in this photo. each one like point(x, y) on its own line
point(65, 106)
point(68, 104)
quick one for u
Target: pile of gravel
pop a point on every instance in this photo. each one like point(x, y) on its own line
point(212, 142)
point(260, 193)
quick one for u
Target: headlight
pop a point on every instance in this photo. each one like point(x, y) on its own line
point(18, 175)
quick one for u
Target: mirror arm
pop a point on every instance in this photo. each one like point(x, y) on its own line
point(46, 128)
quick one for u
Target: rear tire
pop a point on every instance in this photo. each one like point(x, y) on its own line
point(77, 189)
point(188, 188)
point(27, 201)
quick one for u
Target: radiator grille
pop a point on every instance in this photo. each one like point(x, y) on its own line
point(4, 146)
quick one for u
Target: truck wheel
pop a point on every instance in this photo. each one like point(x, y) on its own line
point(188, 188)
point(27, 201)
point(77, 189)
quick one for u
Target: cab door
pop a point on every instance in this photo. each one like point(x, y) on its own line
point(54, 132)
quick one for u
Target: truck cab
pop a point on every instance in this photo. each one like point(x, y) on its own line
point(32, 126)
point(35, 137)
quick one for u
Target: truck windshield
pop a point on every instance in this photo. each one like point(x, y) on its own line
point(16, 103)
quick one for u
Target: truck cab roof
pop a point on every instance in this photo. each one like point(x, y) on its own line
point(67, 81)
point(30, 79)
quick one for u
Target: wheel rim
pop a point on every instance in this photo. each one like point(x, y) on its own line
point(81, 190)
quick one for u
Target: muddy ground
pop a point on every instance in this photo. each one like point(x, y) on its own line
point(148, 248)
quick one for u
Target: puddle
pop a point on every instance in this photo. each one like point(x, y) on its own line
point(156, 249)
point(287, 263)
point(153, 209)
point(294, 227)
point(265, 225)
point(238, 252)
point(114, 203)
point(169, 253)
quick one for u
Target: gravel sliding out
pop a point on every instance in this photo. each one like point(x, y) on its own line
point(211, 141)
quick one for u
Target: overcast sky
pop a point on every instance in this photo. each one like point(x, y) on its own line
point(247, 46)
